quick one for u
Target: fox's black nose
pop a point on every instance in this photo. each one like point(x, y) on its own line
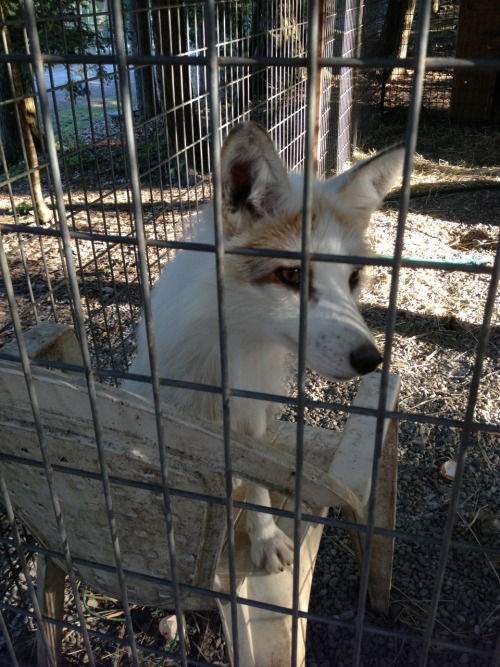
point(365, 358)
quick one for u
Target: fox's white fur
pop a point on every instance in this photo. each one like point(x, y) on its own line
point(262, 209)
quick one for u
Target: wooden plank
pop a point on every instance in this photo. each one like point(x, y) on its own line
point(193, 444)
point(196, 464)
point(354, 458)
point(195, 455)
point(265, 637)
point(49, 341)
point(51, 581)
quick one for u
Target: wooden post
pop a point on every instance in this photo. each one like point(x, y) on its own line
point(473, 97)
point(51, 581)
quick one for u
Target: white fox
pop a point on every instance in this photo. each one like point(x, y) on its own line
point(262, 208)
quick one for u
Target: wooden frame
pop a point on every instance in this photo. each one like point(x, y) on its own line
point(337, 471)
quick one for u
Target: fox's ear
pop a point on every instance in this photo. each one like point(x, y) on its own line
point(361, 189)
point(254, 180)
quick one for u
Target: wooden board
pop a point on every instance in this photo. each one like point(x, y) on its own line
point(128, 431)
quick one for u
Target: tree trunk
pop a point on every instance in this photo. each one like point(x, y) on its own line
point(396, 31)
point(29, 127)
point(30, 132)
point(140, 32)
point(397, 27)
point(407, 25)
point(183, 123)
point(405, 37)
point(9, 131)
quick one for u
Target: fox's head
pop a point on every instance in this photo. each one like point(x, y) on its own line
point(262, 208)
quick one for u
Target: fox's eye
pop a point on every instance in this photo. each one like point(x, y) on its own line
point(289, 276)
point(354, 279)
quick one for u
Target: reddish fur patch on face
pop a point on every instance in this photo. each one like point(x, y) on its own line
point(285, 233)
point(278, 234)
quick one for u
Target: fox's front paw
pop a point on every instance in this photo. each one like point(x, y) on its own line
point(272, 550)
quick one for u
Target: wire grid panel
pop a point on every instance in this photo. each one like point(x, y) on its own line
point(93, 188)
point(390, 30)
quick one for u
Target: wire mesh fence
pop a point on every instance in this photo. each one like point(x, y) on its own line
point(111, 119)
point(390, 30)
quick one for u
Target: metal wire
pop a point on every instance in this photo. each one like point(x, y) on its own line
point(462, 454)
point(213, 87)
point(47, 467)
point(148, 318)
point(422, 37)
point(312, 100)
point(32, 30)
point(26, 571)
point(10, 648)
point(291, 66)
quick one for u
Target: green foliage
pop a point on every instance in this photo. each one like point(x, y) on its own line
point(61, 27)
point(64, 27)
point(23, 208)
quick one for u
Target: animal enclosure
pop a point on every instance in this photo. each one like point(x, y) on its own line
point(112, 116)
